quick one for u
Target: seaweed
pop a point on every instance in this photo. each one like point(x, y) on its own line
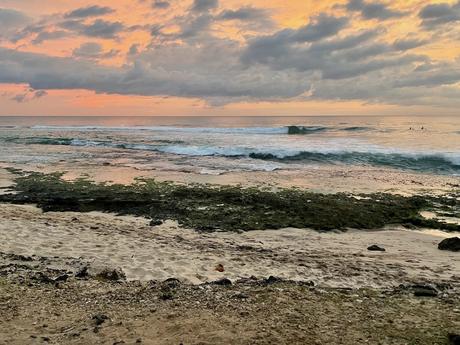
point(227, 208)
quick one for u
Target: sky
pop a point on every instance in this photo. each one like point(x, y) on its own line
point(229, 57)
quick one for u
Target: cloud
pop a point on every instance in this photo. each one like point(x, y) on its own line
point(211, 72)
point(204, 5)
point(373, 10)
point(439, 14)
point(49, 35)
point(285, 43)
point(10, 21)
point(243, 13)
point(251, 18)
point(196, 26)
point(267, 49)
point(90, 11)
point(28, 95)
point(159, 4)
point(93, 50)
point(409, 43)
point(133, 49)
point(196, 53)
point(99, 28)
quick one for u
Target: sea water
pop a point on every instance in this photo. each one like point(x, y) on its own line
point(423, 144)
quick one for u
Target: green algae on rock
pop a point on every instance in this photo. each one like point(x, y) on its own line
point(227, 208)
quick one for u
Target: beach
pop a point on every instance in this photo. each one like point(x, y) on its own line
point(112, 245)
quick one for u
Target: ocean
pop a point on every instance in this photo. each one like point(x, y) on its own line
point(215, 145)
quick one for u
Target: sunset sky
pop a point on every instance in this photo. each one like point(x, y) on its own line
point(229, 57)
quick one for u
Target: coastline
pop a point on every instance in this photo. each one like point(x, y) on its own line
point(179, 279)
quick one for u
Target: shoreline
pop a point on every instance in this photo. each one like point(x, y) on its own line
point(76, 275)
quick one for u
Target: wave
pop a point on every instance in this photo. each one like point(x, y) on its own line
point(221, 130)
point(438, 163)
point(357, 129)
point(292, 130)
point(427, 162)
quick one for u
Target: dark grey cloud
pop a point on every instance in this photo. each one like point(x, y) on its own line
point(90, 11)
point(431, 77)
point(439, 14)
point(196, 26)
point(159, 4)
point(184, 71)
point(28, 95)
point(325, 59)
point(10, 18)
point(269, 49)
point(409, 43)
point(266, 49)
point(99, 28)
point(338, 58)
point(243, 13)
point(204, 5)
point(93, 50)
point(322, 26)
point(49, 35)
point(252, 18)
point(134, 49)
point(373, 10)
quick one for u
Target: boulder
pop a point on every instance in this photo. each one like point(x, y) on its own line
point(156, 222)
point(223, 281)
point(452, 244)
point(454, 339)
point(375, 248)
point(424, 291)
point(110, 274)
point(99, 319)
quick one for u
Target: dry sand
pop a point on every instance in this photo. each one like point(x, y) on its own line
point(168, 251)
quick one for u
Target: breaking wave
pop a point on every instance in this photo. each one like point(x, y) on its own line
point(293, 130)
point(415, 161)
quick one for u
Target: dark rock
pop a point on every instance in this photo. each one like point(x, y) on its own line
point(375, 248)
point(424, 291)
point(108, 274)
point(99, 319)
point(46, 339)
point(220, 268)
point(61, 278)
point(223, 281)
point(21, 257)
point(272, 280)
point(171, 282)
point(452, 244)
point(82, 272)
point(167, 294)
point(42, 278)
point(156, 222)
point(454, 339)
point(94, 227)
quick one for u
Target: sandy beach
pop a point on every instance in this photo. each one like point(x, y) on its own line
point(173, 280)
point(143, 252)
